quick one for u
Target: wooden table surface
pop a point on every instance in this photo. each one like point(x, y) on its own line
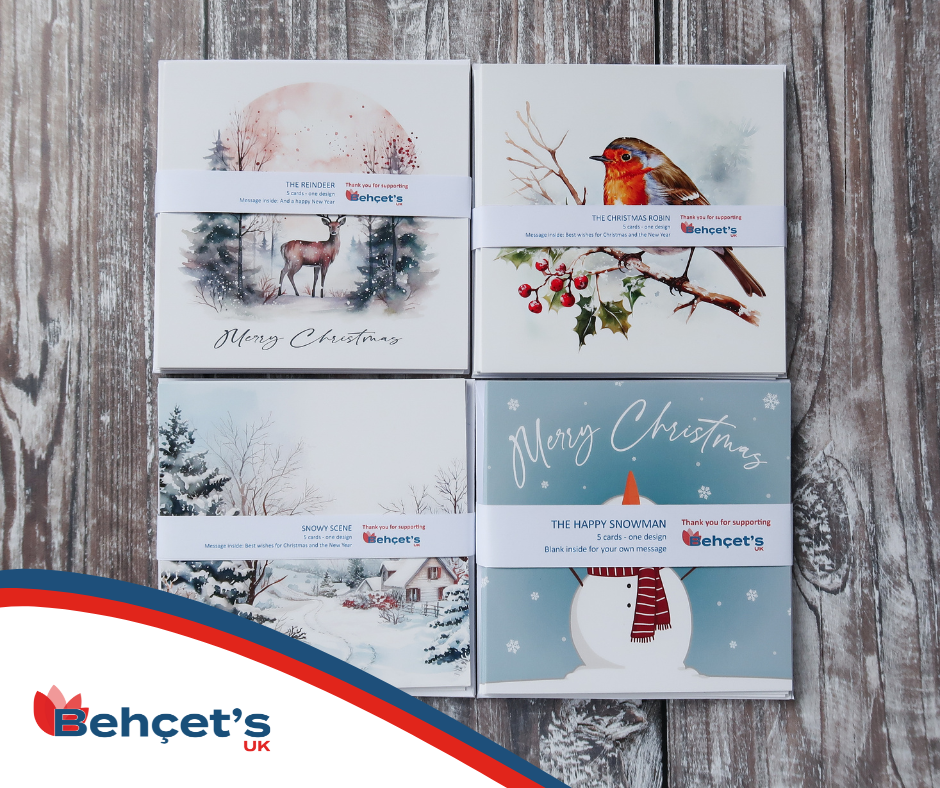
point(77, 398)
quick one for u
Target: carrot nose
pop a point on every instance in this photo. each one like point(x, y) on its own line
point(631, 494)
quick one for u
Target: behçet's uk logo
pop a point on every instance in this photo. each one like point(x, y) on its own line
point(57, 717)
point(688, 227)
point(353, 195)
point(694, 539)
point(370, 538)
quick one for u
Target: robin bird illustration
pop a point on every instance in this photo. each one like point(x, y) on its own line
point(639, 174)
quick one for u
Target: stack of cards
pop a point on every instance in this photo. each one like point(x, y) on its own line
point(272, 264)
point(634, 539)
point(335, 511)
point(576, 189)
point(633, 536)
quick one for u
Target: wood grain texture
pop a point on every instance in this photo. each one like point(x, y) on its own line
point(77, 422)
point(863, 345)
point(77, 112)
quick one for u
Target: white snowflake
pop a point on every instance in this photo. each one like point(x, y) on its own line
point(788, 611)
point(619, 383)
point(512, 646)
point(704, 492)
point(771, 401)
point(534, 595)
point(733, 644)
point(513, 404)
point(751, 595)
point(484, 582)
point(544, 485)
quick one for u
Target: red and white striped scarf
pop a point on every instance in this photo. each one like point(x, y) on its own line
point(652, 608)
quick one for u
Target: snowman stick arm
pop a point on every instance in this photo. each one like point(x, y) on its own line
point(688, 573)
point(577, 576)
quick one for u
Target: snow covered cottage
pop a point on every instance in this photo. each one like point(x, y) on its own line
point(417, 579)
point(368, 585)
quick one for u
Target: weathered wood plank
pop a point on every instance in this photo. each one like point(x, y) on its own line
point(77, 122)
point(863, 343)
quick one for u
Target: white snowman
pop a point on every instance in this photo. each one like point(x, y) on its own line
point(603, 610)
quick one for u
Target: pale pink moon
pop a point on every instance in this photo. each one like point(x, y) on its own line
point(321, 127)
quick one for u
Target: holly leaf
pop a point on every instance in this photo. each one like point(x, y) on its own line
point(633, 289)
point(553, 299)
point(613, 316)
point(585, 301)
point(585, 324)
point(525, 255)
point(554, 255)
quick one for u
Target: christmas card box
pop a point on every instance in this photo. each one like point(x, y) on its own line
point(334, 511)
point(637, 211)
point(313, 216)
point(634, 539)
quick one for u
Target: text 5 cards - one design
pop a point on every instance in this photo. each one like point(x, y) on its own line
point(334, 511)
point(313, 216)
point(634, 539)
point(615, 237)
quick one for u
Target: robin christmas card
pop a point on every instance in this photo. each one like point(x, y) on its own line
point(629, 220)
point(334, 511)
point(634, 539)
point(313, 216)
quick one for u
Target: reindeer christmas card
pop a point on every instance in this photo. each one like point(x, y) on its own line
point(334, 511)
point(629, 220)
point(634, 539)
point(313, 216)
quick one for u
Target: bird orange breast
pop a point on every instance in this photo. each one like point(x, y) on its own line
point(619, 190)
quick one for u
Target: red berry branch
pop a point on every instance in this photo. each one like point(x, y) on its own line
point(613, 313)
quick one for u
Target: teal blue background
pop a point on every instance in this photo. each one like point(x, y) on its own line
point(667, 473)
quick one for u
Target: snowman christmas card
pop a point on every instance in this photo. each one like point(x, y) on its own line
point(313, 216)
point(615, 236)
point(634, 539)
point(334, 511)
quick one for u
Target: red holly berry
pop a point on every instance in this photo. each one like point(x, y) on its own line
point(556, 284)
point(525, 290)
point(561, 268)
point(535, 306)
point(567, 300)
point(542, 265)
point(580, 282)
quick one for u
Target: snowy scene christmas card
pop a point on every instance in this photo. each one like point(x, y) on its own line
point(276, 283)
point(634, 539)
point(629, 220)
point(334, 511)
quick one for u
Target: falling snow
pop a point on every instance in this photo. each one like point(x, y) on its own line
point(704, 492)
point(544, 485)
point(513, 404)
point(534, 595)
point(512, 646)
point(733, 644)
point(751, 595)
point(484, 582)
point(771, 401)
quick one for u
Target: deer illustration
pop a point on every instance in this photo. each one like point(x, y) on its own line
point(318, 254)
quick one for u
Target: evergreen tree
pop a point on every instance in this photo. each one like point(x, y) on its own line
point(218, 155)
point(214, 255)
point(453, 622)
point(326, 587)
point(356, 572)
point(187, 485)
point(395, 251)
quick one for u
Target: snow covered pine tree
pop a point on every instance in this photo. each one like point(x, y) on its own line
point(188, 487)
point(453, 640)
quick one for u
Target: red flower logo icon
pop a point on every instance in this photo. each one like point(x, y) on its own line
point(687, 535)
point(687, 228)
point(44, 708)
point(351, 195)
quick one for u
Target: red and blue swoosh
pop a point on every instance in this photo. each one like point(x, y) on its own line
point(120, 600)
